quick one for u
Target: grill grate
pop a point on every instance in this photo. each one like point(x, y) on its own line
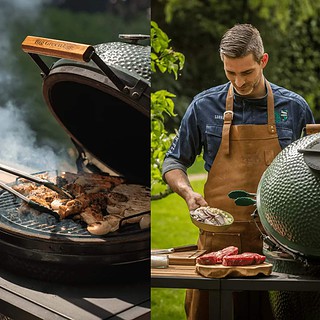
point(39, 224)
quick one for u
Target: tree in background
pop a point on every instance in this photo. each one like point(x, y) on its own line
point(291, 33)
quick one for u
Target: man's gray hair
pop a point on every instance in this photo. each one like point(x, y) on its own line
point(241, 40)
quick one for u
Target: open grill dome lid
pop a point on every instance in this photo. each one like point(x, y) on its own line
point(101, 96)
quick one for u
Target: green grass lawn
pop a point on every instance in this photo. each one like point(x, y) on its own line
point(171, 226)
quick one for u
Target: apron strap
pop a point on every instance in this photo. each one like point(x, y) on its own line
point(228, 116)
point(270, 106)
point(227, 121)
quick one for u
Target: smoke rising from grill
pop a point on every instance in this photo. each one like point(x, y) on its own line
point(18, 142)
point(10, 11)
point(19, 147)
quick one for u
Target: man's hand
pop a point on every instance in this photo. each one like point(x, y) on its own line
point(180, 184)
point(195, 200)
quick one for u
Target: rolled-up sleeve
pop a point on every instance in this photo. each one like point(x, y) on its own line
point(185, 146)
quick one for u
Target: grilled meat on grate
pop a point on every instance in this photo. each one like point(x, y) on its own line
point(100, 201)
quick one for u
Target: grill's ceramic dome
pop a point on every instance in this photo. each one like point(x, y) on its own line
point(288, 200)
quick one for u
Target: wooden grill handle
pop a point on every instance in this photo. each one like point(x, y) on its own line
point(57, 48)
point(312, 128)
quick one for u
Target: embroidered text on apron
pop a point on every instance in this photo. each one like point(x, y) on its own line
point(244, 154)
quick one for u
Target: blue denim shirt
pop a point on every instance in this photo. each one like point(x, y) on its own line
point(201, 126)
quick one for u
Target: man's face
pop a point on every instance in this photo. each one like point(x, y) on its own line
point(246, 74)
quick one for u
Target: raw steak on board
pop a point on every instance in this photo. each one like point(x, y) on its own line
point(243, 259)
point(217, 256)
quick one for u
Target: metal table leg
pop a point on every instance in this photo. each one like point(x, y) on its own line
point(214, 304)
point(226, 305)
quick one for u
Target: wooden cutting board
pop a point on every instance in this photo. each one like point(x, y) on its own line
point(220, 271)
point(176, 271)
point(187, 258)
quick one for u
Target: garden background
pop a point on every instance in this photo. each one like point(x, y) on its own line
point(291, 33)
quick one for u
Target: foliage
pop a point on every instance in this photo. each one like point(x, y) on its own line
point(280, 13)
point(163, 59)
point(291, 33)
point(290, 30)
point(299, 59)
point(296, 54)
point(161, 101)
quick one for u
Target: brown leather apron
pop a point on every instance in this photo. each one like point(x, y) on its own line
point(244, 154)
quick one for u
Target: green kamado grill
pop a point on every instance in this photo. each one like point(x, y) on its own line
point(288, 204)
point(100, 95)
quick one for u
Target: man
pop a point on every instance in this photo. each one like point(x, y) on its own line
point(240, 126)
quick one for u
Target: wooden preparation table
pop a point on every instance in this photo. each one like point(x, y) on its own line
point(220, 290)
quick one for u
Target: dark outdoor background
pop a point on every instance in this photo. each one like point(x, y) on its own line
point(29, 134)
point(291, 33)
